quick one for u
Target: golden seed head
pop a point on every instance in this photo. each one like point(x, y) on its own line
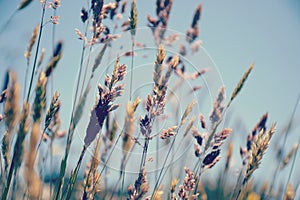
point(189, 126)
point(289, 155)
point(289, 193)
point(6, 150)
point(258, 148)
point(239, 86)
point(187, 111)
point(129, 125)
point(31, 43)
point(174, 184)
point(54, 107)
point(40, 97)
point(174, 62)
point(22, 132)
point(11, 106)
point(161, 54)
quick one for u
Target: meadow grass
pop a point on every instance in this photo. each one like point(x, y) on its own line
point(26, 127)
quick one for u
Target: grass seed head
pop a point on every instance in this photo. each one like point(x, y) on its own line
point(6, 150)
point(40, 98)
point(11, 106)
point(133, 18)
point(240, 84)
point(57, 55)
point(23, 4)
point(289, 193)
point(31, 43)
point(22, 132)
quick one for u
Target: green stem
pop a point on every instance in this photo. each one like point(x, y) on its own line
point(15, 183)
point(74, 174)
point(63, 165)
point(37, 49)
point(9, 177)
point(84, 195)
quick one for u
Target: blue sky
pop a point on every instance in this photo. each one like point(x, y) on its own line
point(235, 33)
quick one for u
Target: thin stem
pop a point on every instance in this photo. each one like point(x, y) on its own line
point(125, 160)
point(9, 177)
point(161, 171)
point(52, 74)
point(158, 181)
point(131, 71)
point(83, 52)
point(40, 142)
point(297, 187)
point(86, 68)
point(165, 168)
point(15, 184)
point(292, 168)
point(51, 164)
point(8, 21)
point(74, 174)
point(2, 177)
point(84, 195)
point(63, 163)
point(281, 156)
point(25, 81)
point(237, 188)
point(37, 49)
point(221, 182)
point(123, 180)
point(70, 131)
point(110, 154)
point(157, 159)
point(197, 181)
point(144, 155)
point(105, 180)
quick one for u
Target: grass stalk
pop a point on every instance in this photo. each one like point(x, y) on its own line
point(131, 70)
point(74, 174)
point(281, 156)
point(37, 49)
point(51, 167)
point(9, 178)
point(296, 153)
point(8, 21)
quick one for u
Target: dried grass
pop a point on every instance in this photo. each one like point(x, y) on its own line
point(208, 138)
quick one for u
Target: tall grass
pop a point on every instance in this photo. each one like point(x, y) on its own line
point(189, 146)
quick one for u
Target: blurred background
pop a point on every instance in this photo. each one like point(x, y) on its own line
point(234, 34)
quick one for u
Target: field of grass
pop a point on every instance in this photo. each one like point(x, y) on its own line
point(150, 115)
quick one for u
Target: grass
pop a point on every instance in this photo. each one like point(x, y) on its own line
point(151, 121)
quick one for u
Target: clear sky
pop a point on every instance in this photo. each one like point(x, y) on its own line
point(234, 33)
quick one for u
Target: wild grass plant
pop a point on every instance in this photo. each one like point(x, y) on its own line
point(144, 138)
